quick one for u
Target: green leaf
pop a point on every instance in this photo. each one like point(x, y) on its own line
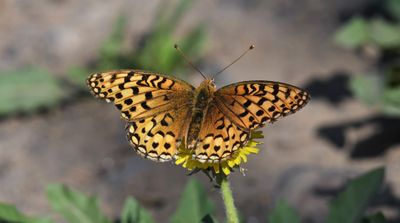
point(375, 218)
point(133, 213)
point(194, 204)
point(393, 6)
point(350, 205)
point(385, 34)
point(367, 87)
point(283, 213)
point(353, 34)
point(28, 90)
point(8, 213)
point(75, 207)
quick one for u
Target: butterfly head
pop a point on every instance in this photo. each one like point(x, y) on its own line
point(208, 85)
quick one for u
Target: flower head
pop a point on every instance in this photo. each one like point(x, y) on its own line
point(185, 158)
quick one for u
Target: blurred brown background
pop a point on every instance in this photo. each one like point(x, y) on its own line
point(306, 157)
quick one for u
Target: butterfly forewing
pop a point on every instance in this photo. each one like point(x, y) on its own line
point(251, 104)
point(156, 108)
point(140, 94)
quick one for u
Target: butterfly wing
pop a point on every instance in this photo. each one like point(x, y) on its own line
point(251, 104)
point(219, 137)
point(158, 137)
point(156, 108)
point(140, 94)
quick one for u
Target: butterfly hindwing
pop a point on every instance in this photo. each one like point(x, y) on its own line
point(251, 104)
point(158, 137)
point(139, 94)
point(219, 137)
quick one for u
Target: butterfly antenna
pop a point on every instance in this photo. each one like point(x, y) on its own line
point(244, 53)
point(188, 61)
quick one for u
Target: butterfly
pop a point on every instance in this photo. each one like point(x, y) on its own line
point(162, 112)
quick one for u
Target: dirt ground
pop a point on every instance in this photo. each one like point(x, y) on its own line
point(306, 158)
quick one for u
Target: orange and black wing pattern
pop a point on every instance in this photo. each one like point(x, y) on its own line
point(219, 138)
point(140, 94)
point(251, 104)
point(158, 137)
point(155, 107)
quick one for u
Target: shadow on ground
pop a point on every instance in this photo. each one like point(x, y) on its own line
point(385, 136)
point(333, 89)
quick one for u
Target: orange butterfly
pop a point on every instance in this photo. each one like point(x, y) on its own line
point(163, 112)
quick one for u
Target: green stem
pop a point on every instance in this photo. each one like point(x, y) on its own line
point(231, 211)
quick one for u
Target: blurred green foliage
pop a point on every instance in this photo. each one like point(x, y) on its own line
point(380, 87)
point(353, 34)
point(155, 52)
point(74, 206)
point(393, 7)
point(133, 213)
point(158, 53)
point(195, 206)
point(283, 213)
point(348, 207)
point(351, 203)
point(375, 218)
point(10, 214)
point(359, 32)
point(28, 90)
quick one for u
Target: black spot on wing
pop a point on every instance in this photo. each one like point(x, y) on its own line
point(118, 95)
point(128, 101)
point(247, 103)
point(135, 90)
point(148, 95)
point(144, 105)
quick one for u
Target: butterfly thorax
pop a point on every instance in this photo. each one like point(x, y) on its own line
point(202, 99)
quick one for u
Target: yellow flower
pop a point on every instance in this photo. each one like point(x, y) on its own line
point(184, 158)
